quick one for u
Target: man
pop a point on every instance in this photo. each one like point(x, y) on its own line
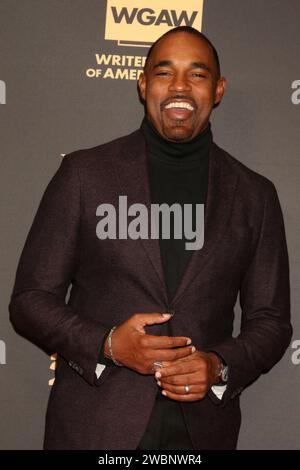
point(169, 381)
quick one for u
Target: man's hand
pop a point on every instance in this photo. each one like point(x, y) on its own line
point(135, 349)
point(199, 371)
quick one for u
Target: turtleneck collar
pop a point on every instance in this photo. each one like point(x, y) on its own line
point(178, 153)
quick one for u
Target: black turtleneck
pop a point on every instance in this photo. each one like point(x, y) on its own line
point(178, 173)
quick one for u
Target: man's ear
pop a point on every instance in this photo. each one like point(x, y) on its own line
point(142, 86)
point(220, 90)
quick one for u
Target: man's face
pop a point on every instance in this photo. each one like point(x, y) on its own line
point(180, 86)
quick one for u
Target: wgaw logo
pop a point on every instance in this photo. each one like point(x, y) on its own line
point(141, 22)
point(2, 92)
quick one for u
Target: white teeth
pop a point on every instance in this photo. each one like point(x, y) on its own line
point(181, 104)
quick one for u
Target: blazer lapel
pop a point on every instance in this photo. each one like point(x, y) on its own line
point(220, 195)
point(132, 171)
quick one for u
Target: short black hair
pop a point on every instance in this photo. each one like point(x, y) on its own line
point(189, 30)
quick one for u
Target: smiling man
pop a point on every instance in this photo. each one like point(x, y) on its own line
point(146, 356)
point(181, 84)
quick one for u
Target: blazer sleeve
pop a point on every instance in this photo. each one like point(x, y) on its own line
point(265, 302)
point(47, 267)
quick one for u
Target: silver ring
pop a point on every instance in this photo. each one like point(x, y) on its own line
point(157, 365)
point(187, 389)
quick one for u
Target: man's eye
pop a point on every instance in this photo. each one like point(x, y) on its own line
point(162, 73)
point(198, 75)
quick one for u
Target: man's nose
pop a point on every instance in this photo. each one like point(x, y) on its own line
point(180, 83)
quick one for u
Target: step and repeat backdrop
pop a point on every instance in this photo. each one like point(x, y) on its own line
point(68, 80)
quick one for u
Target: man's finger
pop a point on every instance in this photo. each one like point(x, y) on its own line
point(140, 320)
point(173, 363)
point(187, 397)
point(172, 354)
point(166, 342)
point(182, 367)
point(180, 359)
point(151, 318)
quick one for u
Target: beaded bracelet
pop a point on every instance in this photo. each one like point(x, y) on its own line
point(110, 348)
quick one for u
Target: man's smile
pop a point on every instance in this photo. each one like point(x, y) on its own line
point(178, 108)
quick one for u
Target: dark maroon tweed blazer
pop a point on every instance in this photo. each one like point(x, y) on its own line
point(244, 253)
